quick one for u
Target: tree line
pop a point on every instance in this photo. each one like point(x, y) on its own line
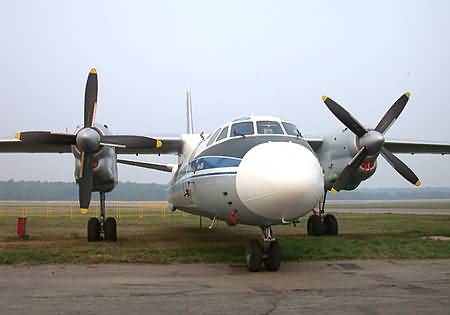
point(128, 191)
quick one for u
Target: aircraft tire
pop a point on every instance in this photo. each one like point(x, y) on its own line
point(331, 224)
point(110, 228)
point(273, 260)
point(93, 230)
point(254, 256)
point(315, 226)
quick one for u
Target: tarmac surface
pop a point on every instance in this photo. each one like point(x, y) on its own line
point(316, 287)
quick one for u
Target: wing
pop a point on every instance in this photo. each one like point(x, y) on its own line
point(17, 146)
point(414, 147)
point(47, 142)
point(155, 166)
point(314, 143)
point(162, 146)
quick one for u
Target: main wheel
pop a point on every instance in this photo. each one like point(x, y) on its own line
point(110, 228)
point(273, 259)
point(315, 226)
point(93, 230)
point(331, 224)
point(254, 256)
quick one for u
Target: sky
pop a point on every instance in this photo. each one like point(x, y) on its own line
point(238, 57)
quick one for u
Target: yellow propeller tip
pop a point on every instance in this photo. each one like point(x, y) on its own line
point(324, 98)
point(84, 210)
point(93, 71)
point(408, 94)
point(18, 135)
point(158, 144)
point(418, 184)
point(333, 191)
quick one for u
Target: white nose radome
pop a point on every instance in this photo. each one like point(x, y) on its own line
point(280, 180)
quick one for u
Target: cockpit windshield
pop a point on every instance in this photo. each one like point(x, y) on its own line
point(269, 128)
point(242, 129)
point(291, 129)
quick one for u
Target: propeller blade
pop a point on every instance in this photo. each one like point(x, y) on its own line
point(345, 117)
point(90, 99)
point(46, 137)
point(131, 141)
point(82, 156)
point(85, 182)
point(400, 167)
point(350, 169)
point(393, 113)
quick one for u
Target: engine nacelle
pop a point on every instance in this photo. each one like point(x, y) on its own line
point(104, 165)
point(336, 152)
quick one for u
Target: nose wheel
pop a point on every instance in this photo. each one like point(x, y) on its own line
point(102, 229)
point(266, 254)
point(322, 224)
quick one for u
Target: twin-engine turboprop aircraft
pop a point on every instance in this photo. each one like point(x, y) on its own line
point(256, 170)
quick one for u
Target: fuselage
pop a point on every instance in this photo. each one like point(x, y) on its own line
point(254, 170)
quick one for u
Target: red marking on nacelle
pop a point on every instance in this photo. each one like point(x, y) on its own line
point(94, 164)
point(367, 166)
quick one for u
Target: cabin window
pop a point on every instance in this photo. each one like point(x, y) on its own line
point(213, 137)
point(269, 128)
point(291, 129)
point(242, 129)
point(223, 134)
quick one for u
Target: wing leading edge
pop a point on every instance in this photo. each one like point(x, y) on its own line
point(125, 145)
point(401, 147)
point(417, 147)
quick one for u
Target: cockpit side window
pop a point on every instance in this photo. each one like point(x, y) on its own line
point(223, 134)
point(213, 137)
point(242, 129)
point(291, 129)
point(269, 128)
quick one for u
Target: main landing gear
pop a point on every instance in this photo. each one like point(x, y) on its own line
point(101, 229)
point(267, 253)
point(321, 223)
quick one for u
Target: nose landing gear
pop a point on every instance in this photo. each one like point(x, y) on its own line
point(101, 229)
point(322, 224)
point(267, 253)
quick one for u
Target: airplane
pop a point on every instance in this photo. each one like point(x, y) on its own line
point(255, 170)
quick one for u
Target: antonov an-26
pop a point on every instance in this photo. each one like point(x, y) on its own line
point(256, 170)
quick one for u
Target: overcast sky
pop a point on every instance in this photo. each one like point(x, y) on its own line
point(239, 58)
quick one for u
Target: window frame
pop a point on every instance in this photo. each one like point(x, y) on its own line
point(299, 135)
point(226, 134)
point(251, 122)
point(270, 121)
point(213, 137)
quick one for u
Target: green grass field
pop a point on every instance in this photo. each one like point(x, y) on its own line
point(147, 234)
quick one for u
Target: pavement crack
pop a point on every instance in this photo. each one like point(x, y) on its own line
point(274, 305)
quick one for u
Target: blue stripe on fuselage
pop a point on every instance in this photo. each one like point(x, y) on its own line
point(209, 162)
point(214, 174)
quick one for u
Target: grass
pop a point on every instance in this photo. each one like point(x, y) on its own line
point(390, 204)
point(57, 235)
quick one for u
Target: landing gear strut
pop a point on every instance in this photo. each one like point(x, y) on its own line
point(101, 229)
point(267, 253)
point(322, 224)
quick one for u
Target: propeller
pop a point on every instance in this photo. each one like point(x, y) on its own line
point(371, 142)
point(88, 140)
